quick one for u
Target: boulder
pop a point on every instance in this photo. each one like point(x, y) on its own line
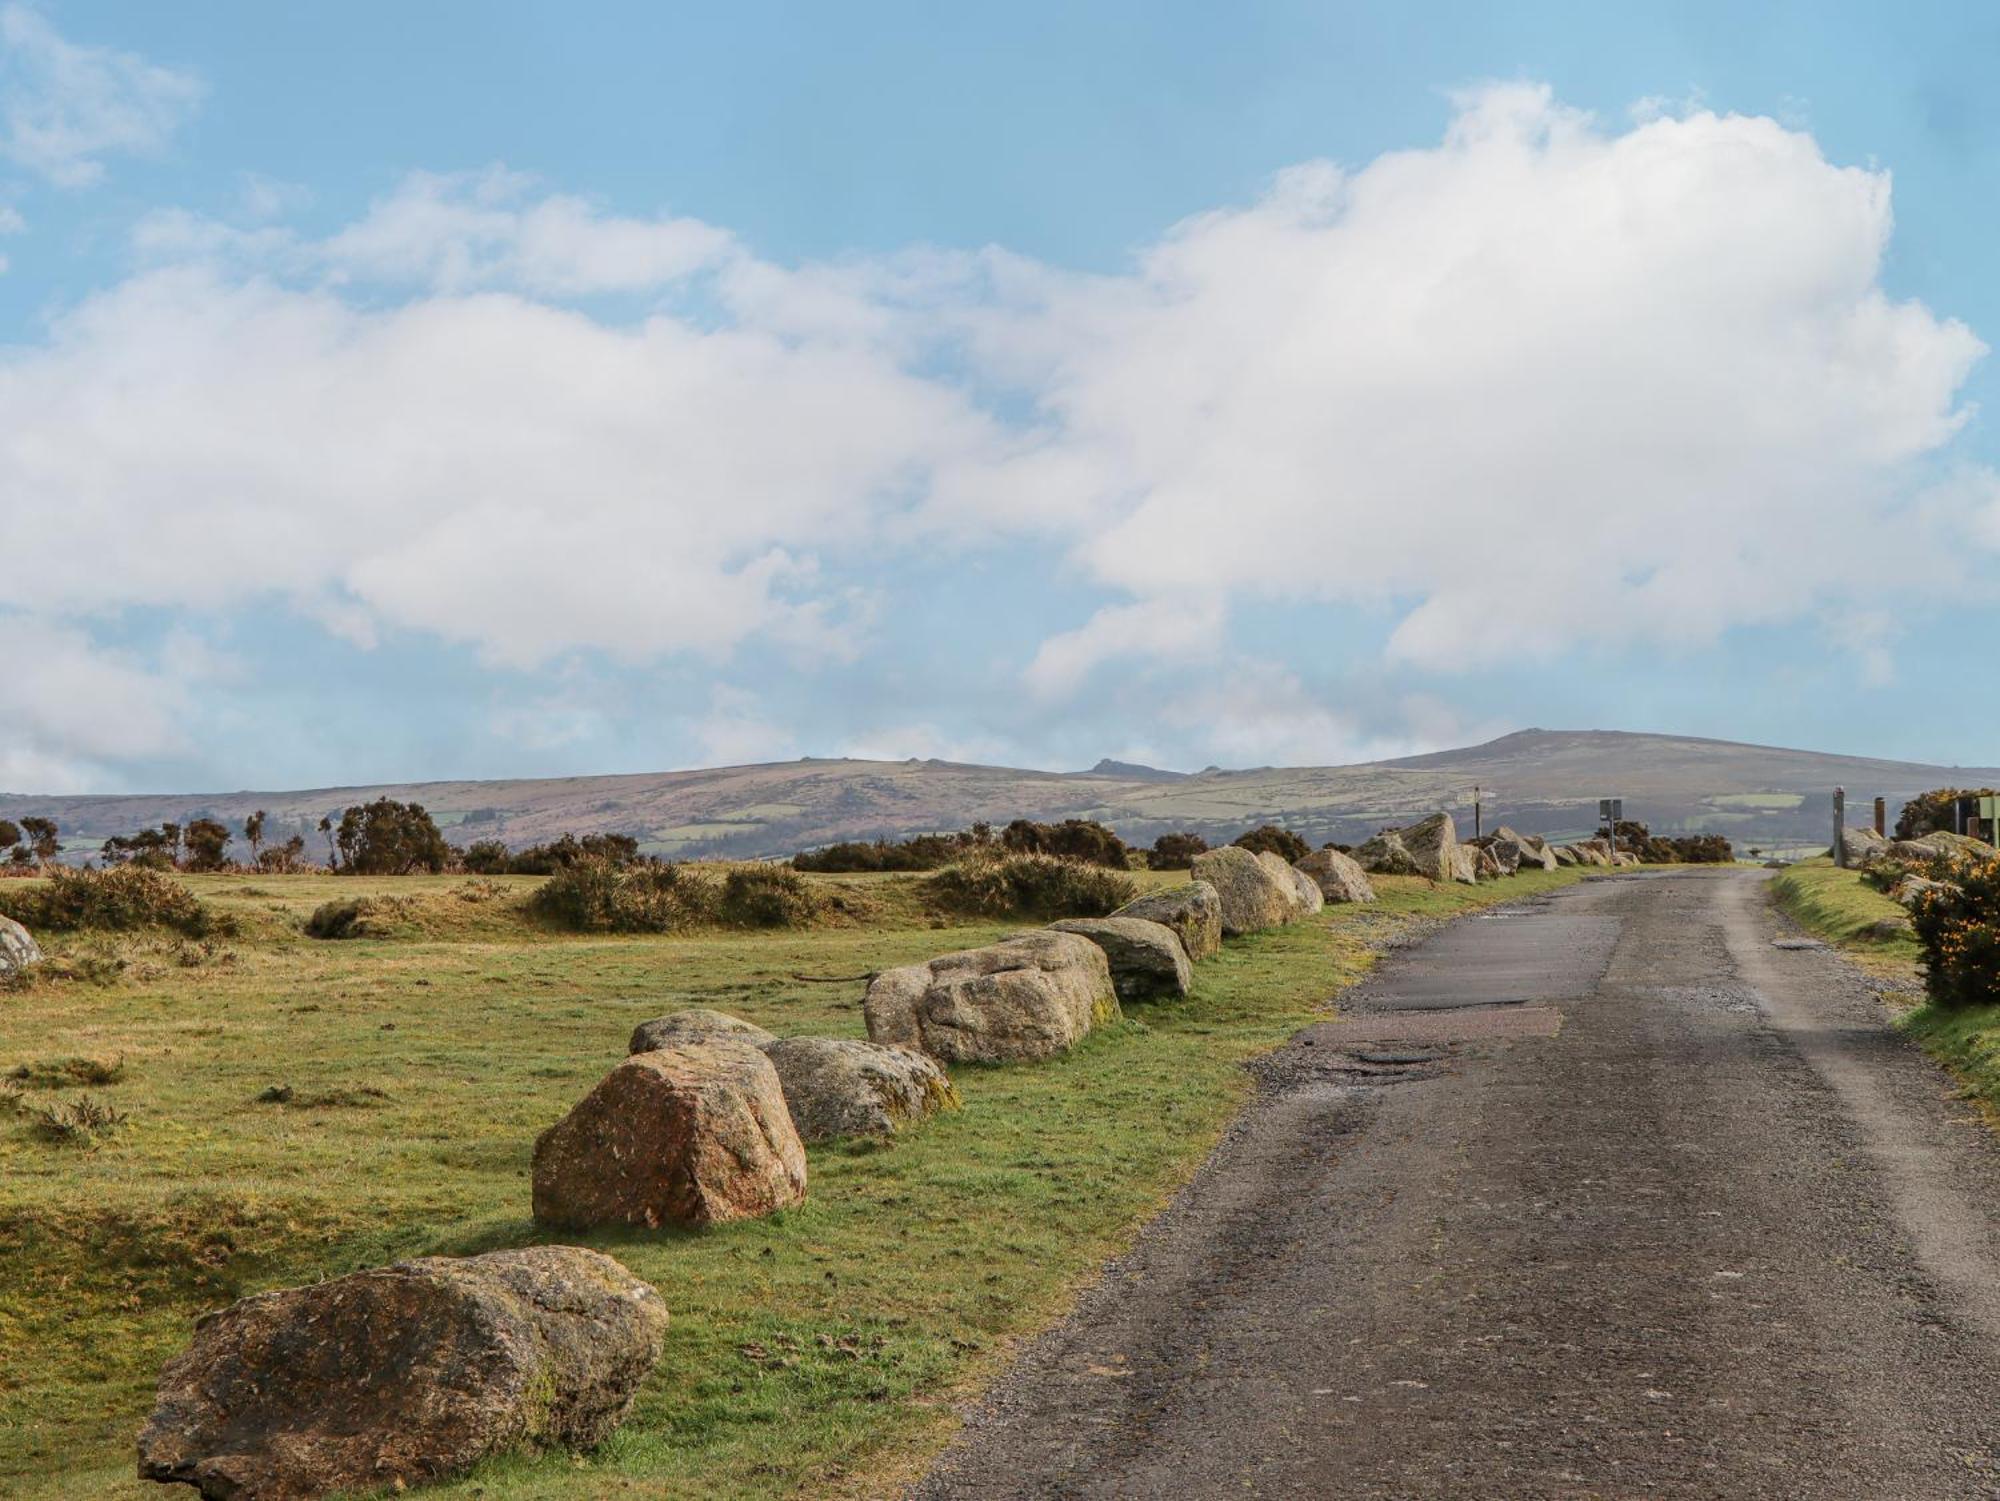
point(1022, 998)
point(1147, 960)
point(18, 949)
point(1193, 911)
point(1626, 858)
point(1941, 844)
point(840, 1087)
point(1863, 845)
point(1910, 890)
point(1339, 877)
point(1385, 855)
point(1431, 844)
point(1488, 863)
point(1253, 895)
point(1299, 900)
point(1521, 851)
point(697, 1134)
point(401, 1374)
point(1504, 861)
point(1593, 851)
point(1564, 855)
point(696, 1024)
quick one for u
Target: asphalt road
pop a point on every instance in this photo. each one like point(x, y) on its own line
point(1606, 1197)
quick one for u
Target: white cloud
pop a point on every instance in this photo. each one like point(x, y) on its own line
point(1539, 385)
point(76, 709)
point(68, 105)
point(737, 732)
point(1176, 629)
point(1260, 713)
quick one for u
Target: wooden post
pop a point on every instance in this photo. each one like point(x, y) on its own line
point(1840, 827)
point(1882, 815)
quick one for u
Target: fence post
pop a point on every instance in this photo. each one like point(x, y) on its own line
point(1882, 815)
point(1840, 827)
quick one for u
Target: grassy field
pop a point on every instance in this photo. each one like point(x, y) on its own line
point(1839, 906)
point(816, 1352)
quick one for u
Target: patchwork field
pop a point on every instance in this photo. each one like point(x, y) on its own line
point(299, 1108)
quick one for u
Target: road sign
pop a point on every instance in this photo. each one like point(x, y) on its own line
point(1611, 810)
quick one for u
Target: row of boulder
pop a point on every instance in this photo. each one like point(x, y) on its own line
point(400, 1374)
point(1916, 864)
point(1431, 848)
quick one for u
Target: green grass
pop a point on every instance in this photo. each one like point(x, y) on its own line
point(815, 1352)
point(1839, 906)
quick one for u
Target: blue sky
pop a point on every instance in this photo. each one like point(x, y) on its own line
point(404, 392)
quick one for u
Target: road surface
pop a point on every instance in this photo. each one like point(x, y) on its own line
point(1609, 1196)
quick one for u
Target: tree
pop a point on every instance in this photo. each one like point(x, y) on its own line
point(149, 848)
point(207, 841)
point(1269, 838)
point(283, 859)
point(10, 834)
point(44, 841)
point(332, 855)
point(386, 837)
point(253, 834)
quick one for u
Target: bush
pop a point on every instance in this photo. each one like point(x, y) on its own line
point(388, 838)
point(1072, 839)
point(921, 852)
point(1175, 851)
point(1931, 812)
point(1959, 928)
point(1037, 886)
point(615, 850)
point(1269, 838)
point(486, 857)
point(121, 899)
point(595, 897)
point(768, 896)
point(358, 917)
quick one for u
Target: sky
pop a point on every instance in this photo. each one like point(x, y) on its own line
point(400, 392)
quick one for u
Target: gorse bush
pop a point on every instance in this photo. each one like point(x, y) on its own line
point(1037, 886)
point(121, 899)
point(598, 898)
point(921, 852)
point(1270, 839)
point(1175, 851)
point(359, 917)
point(768, 896)
point(1958, 926)
point(491, 857)
point(1932, 812)
point(1072, 839)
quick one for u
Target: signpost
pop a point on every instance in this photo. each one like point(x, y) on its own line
point(1989, 813)
point(1612, 811)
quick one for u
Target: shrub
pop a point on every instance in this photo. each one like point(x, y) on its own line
point(357, 917)
point(1932, 812)
point(1175, 851)
point(594, 897)
point(121, 899)
point(768, 896)
point(1270, 839)
point(64, 1073)
point(1038, 886)
point(486, 857)
point(1959, 928)
point(1072, 839)
point(920, 852)
point(388, 838)
point(76, 1123)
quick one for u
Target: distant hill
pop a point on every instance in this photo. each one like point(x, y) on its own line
point(1543, 781)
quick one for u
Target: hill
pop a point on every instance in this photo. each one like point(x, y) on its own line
point(1544, 781)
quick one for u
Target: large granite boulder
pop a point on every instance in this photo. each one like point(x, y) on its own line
point(1593, 851)
point(1912, 889)
point(1022, 998)
point(1486, 864)
point(18, 949)
point(1339, 877)
point(1306, 898)
point(1431, 844)
point(402, 1374)
point(1465, 864)
point(1505, 860)
point(696, 1024)
point(1148, 962)
point(1386, 855)
point(840, 1087)
point(1193, 911)
point(1864, 845)
point(1941, 844)
point(1253, 896)
point(1565, 855)
point(697, 1134)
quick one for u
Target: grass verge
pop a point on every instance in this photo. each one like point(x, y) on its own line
point(818, 1351)
point(1839, 906)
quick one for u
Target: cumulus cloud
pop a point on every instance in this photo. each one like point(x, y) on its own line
point(1543, 383)
point(69, 105)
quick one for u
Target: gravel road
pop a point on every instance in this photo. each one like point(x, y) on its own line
point(1607, 1196)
